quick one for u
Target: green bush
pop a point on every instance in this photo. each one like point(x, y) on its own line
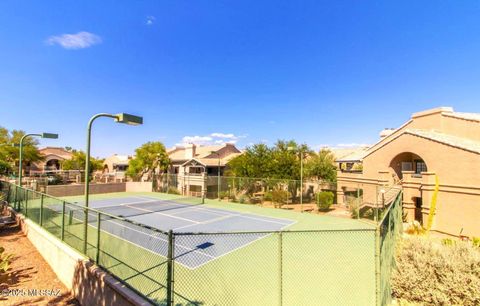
point(431, 273)
point(324, 200)
point(173, 190)
point(476, 242)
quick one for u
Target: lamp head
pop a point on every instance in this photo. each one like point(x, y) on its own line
point(49, 135)
point(128, 119)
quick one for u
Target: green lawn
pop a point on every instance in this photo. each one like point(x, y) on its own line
point(317, 267)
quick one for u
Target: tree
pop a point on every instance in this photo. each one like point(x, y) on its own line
point(282, 161)
point(322, 166)
point(77, 162)
point(10, 154)
point(5, 168)
point(148, 157)
point(255, 162)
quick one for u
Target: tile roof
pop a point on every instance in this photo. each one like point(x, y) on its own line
point(350, 154)
point(466, 116)
point(61, 152)
point(453, 141)
point(178, 153)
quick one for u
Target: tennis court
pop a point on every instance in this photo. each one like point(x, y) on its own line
point(182, 217)
point(218, 253)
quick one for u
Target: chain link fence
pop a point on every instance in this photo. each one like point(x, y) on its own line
point(312, 267)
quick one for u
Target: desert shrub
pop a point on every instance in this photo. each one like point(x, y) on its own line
point(353, 205)
point(5, 260)
point(415, 228)
point(243, 199)
point(173, 190)
point(431, 273)
point(324, 200)
point(476, 242)
point(367, 214)
point(223, 194)
point(280, 196)
point(353, 209)
point(448, 242)
point(267, 196)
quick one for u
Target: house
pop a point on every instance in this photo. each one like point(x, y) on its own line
point(434, 155)
point(114, 167)
point(52, 160)
point(197, 167)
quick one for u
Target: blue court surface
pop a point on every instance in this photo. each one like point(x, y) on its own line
point(192, 251)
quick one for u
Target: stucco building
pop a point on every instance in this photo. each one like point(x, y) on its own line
point(436, 152)
point(52, 160)
point(114, 167)
point(197, 167)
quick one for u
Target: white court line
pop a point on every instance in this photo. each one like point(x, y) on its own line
point(242, 246)
point(122, 204)
point(249, 216)
point(189, 249)
point(205, 222)
point(232, 213)
point(219, 211)
point(159, 238)
point(162, 214)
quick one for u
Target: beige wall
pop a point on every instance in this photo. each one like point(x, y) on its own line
point(89, 284)
point(139, 187)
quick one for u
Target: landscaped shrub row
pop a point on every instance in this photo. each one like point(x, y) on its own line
point(437, 273)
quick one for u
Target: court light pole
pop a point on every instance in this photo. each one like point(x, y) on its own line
point(218, 174)
point(20, 153)
point(119, 118)
point(301, 174)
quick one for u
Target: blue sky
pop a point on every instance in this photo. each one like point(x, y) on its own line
point(320, 72)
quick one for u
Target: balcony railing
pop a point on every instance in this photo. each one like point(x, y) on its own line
point(351, 171)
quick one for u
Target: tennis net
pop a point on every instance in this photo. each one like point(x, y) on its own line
point(148, 206)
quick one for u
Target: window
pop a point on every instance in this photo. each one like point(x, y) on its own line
point(420, 166)
point(407, 166)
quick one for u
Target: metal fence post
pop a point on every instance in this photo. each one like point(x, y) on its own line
point(15, 200)
point(63, 220)
point(8, 193)
point(169, 268)
point(377, 267)
point(26, 203)
point(41, 210)
point(85, 232)
point(97, 255)
point(280, 267)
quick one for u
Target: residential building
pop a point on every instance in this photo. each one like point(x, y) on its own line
point(114, 167)
point(197, 167)
point(435, 158)
point(52, 160)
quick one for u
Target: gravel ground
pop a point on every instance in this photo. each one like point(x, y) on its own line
point(29, 280)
